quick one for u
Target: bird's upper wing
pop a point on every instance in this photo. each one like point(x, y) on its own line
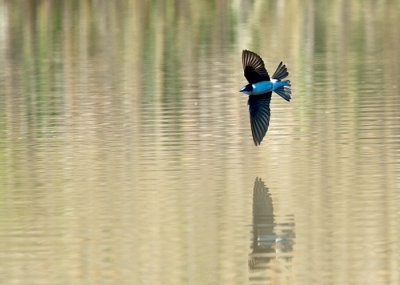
point(259, 115)
point(253, 66)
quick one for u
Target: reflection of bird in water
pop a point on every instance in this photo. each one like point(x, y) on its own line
point(270, 238)
point(260, 89)
point(263, 225)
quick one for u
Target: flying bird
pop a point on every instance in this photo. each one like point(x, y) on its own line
point(260, 89)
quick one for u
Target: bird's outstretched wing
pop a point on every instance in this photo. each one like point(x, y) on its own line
point(253, 66)
point(259, 115)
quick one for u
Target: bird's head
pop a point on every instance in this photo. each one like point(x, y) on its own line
point(247, 89)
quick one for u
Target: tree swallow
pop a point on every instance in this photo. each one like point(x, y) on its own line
point(260, 89)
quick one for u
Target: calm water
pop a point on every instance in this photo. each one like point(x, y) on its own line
point(126, 154)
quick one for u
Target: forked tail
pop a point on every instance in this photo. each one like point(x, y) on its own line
point(284, 91)
point(281, 72)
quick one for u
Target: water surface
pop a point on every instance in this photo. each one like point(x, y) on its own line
point(126, 154)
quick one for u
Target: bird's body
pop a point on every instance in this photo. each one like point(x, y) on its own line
point(260, 89)
point(265, 86)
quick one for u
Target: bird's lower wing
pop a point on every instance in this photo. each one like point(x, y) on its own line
point(259, 115)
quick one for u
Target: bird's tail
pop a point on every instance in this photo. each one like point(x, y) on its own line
point(281, 72)
point(285, 91)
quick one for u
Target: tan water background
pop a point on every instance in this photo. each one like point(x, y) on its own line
point(126, 154)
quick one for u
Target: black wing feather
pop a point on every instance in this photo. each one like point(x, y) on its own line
point(254, 68)
point(259, 115)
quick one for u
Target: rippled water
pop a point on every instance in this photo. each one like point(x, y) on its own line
point(126, 154)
